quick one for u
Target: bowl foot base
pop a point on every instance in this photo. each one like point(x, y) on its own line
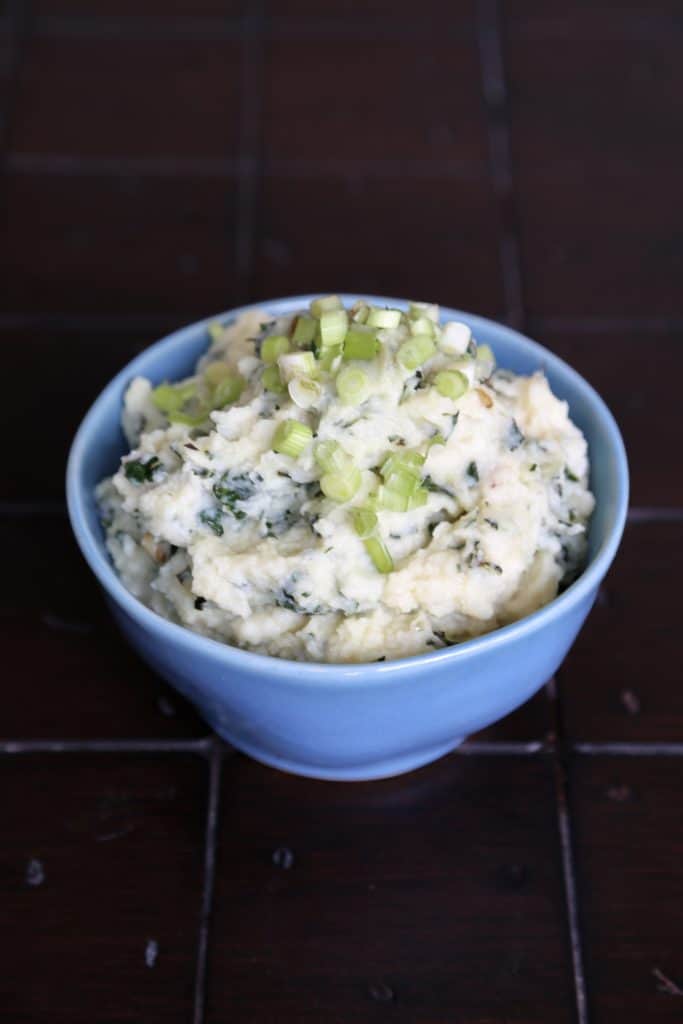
point(383, 769)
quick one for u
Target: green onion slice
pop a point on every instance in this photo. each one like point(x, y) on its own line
point(333, 324)
point(341, 486)
point(331, 457)
point(422, 325)
point(325, 304)
point(407, 459)
point(297, 364)
point(364, 522)
point(274, 347)
point(172, 397)
point(415, 352)
point(391, 500)
point(227, 391)
point(381, 558)
point(386, 318)
point(271, 380)
point(353, 386)
point(420, 309)
point(328, 356)
point(304, 392)
point(451, 383)
point(215, 329)
point(304, 331)
point(418, 499)
point(291, 437)
point(359, 312)
point(360, 342)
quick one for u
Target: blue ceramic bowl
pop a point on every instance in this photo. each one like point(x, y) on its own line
point(354, 721)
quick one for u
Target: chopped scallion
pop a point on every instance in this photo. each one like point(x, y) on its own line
point(451, 383)
point(333, 326)
point(361, 342)
point(304, 331)
point(455, 337)
point(387, 318)
point(291, 437)
point(353, 386)
point(271, 379)
point(331, 457)
point(215, 330)
point(403, 480)
point(190, 419)
point(407, 459)
point(364, 522)
point(379, 554)
point(325, 304)
point(215, 373)
point(304, 392)
point(420, 309)
point(418, 499)
point(274, 347)
point(297, 364)
point(391, 500)
point(172, 397)
point(422, 325)
point(328, 356)
point(341, 486)
point(227, 391)
point(416, 351)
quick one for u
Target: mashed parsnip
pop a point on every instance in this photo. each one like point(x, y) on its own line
point(347, 486)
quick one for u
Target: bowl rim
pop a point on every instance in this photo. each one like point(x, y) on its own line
point(340, 673)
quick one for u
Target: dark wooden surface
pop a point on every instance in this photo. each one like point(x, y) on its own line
point(161, 162)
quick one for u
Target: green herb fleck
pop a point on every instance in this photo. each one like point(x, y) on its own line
point(139, 471)
point(570, 476)
point(212, 519)
point(473, 472)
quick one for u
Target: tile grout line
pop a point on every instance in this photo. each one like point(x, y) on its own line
point(570, 891)
point(503, 748)
point(495, 94)
point(210, 842)
point(619, 749)
point(116, 746)
point(59, 164)
point(561, 765)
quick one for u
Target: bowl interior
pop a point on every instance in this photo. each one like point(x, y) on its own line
point(100, 443)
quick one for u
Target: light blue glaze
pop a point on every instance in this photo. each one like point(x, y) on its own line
point(354, 721)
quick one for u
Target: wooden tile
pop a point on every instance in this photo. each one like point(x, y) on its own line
point(88, 96)
point(379, 96)
point(74, 366)
point(629, 841)
point(594, 94)
point(118, 244)
point(622, 679)
point(431, 238)
point(532, 722)
point(73, 676)
point(390, 11)
point(100, 875)
point(438, 893)
point(634, 372)
point(167, 11)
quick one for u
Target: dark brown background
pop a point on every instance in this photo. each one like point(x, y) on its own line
point(164, 161)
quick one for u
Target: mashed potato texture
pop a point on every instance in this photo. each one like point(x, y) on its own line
point(347, 485)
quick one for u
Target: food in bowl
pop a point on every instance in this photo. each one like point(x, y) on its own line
point(347, 485)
